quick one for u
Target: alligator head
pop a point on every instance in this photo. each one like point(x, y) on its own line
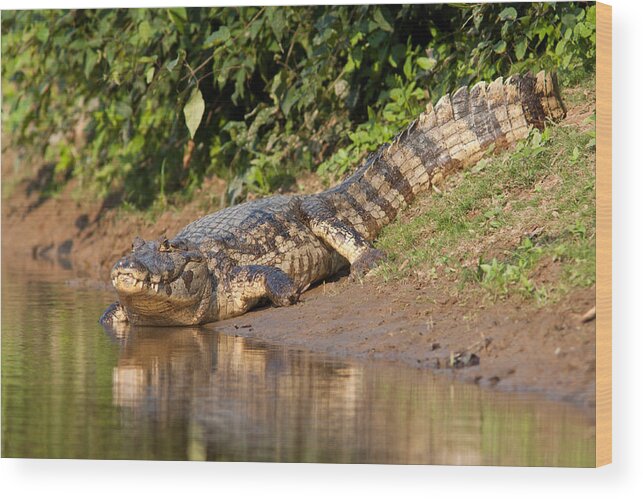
point(163, 283)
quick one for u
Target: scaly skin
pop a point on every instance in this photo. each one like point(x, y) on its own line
point(272, 249)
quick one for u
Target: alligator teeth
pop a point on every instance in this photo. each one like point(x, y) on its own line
point(155, 287)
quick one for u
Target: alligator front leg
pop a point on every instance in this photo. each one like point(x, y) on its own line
point(113, 315)
point(115, 322)
point(248, 285)
point(341, 236)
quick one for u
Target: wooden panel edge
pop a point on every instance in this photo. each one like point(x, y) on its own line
point(603, 234)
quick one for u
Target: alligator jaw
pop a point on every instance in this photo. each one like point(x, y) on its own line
point(129, 283)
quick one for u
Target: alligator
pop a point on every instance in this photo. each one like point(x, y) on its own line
point(271, 250)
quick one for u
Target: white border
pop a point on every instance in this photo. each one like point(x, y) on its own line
point(119, 479)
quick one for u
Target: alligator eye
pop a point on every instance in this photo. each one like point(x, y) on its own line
point(164, 245)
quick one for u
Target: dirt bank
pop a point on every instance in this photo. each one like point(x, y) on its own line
point(507, 344)
point(510, 345)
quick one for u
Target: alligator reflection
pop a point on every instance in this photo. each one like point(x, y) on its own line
point(241, 400)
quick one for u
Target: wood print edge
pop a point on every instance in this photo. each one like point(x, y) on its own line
point(603, 234)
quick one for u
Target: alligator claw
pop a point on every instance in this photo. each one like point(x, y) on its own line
point(285, 299)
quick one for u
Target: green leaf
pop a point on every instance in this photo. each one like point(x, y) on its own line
point(356, 38)
point(583, 30)
point(149, 74)
point(590, 17)
point(179, 13)
point(220, 36)
point(408, 68)
point(500, 47)
point(289, 100)
point(521, 48)
point(278, 22)
point(255, 27)
point(397, 94)
point(376, 39)
point(42, 33)
point(115, 77)
point(569, 20)
point(508, 14)
point(145, 31)
point(426, 63)
point(381, 22)
point(560, 47)
point(357, 55)
point(178, 16)
point(91, 57)
point(193, 111)
point(123, 109)
point(172, 64)
point(349, 67)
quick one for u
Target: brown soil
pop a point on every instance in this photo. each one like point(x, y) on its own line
point(508, 345)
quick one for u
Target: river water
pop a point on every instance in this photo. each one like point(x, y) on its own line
point(71, 391)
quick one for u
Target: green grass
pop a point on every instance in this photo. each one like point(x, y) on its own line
point(518, 223)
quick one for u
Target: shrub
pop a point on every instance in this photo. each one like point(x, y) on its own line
point(162, 98)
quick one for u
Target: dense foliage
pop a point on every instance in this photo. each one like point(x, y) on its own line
point(147, 102)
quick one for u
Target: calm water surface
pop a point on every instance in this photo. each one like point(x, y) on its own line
point(71, 391)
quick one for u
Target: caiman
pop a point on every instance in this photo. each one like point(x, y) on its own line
point(272, 249)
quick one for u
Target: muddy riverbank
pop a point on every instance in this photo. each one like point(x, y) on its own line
point(507, 344)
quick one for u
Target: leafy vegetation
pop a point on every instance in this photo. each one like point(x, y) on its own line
point(522, 222)
point(146, 103)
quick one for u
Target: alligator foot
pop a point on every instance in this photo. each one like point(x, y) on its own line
point(114, 314)
point(254, 282)
point(280, 288)
point(115, 322)
point(283, 295)
point(367, 261)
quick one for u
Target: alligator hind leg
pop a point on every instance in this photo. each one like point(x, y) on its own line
point(340, 236)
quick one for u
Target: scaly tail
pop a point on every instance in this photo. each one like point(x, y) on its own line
point(453, 134)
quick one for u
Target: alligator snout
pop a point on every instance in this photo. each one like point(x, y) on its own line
point(129, 275)
point(131, 266)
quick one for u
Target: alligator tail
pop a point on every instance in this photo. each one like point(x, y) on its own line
point(453, 134)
